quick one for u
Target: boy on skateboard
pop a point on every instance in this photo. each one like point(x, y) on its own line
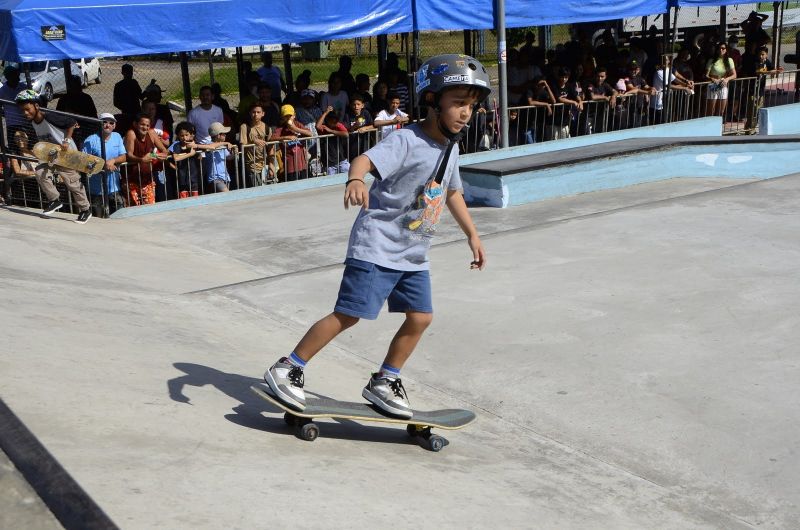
point(57, 129)
point(387, 256)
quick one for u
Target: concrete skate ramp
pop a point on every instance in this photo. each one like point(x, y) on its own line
point(631, 355)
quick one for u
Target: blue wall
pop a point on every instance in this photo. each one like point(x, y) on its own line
point(779, 120)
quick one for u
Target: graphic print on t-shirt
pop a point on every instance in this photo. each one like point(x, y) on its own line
point(425, 212)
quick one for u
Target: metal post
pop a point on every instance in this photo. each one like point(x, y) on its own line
point(383, 51)
point(210, 67)
point(668, 50)
point(65, 65)
point(775, 33)
point(240, 72)
point(412, 70)
point(779, 39)
point(500, 7)
point(467, 42)
point(287, 69)
point(26, 67)
point(723, 23)
point(187, 86)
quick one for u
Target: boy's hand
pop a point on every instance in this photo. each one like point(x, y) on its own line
point(478, 254)
point(356, 194)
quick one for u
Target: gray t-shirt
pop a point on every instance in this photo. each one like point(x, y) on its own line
point(405, 202)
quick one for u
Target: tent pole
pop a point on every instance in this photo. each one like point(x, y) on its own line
point(775, 33)
point(723, 23)
point(187, 86)
point(777, 61)
point(287, 69)
point(65, 65)
point(240, 72)
point(210, 67)
point(501, 70)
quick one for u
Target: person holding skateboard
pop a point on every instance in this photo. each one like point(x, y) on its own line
point(387, 255)
point(57, 129)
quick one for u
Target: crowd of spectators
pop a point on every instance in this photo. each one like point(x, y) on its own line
point(291, 132)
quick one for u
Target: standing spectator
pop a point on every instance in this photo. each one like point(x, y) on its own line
point(541, 97)
point(254, 135)
point(358, 122)
point(186, 161)
point(397, 84)
point(292, 149)
point(606, 53)
point(604, 98)
point(362, 87)
point(380, 92)
point(734, 53)
point(207, 113)
point(146, 152)
point(127, 92)
point(154, 93)
point(308, 112)
point(637, 88)
point(272, 75)
point(753, 32)
point(335, 97)
point(333, 150)
point(348, 83)
point(115, 155)
point(218, 100)
point(272, 111)
point(57, 129)
point(565, 93)
point(719, 71)
point(76, 101)
point(215, 161)
point(677, 83)
point(392, 118)
point(252, 80)
point(9, 91)
point(535, 54)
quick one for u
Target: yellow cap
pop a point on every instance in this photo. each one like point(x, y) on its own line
point(287, 110)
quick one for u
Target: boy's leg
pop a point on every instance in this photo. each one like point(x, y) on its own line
point(285, 377)
point(72, 180)
point(406, 338)
point(44, 174)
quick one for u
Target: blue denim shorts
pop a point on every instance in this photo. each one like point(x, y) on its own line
point(366, 286)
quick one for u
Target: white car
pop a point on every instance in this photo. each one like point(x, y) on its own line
point(47, 77)
point(90, 70)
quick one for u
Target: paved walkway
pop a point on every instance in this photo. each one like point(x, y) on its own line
point(631, 355)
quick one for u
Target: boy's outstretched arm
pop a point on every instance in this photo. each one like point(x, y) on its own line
point(355, 191)
point(458, 208)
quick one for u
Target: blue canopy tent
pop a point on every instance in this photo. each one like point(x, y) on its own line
point(479, 14)
point(34, 30)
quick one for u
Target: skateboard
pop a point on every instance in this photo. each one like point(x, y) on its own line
point(79, 161)
point(418, 426)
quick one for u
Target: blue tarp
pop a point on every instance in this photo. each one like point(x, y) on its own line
point(91, 29)
point(704, 3)
point(479, 14)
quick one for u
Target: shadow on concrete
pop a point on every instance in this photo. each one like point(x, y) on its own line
point(249, 412)
point(34, 213)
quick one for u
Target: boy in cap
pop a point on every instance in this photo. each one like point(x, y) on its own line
point(115, 155)
point(57, 129)
point(215, 161)
point(387, 256)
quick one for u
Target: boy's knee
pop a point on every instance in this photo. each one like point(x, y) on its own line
point(422, 320)
point(346, 320)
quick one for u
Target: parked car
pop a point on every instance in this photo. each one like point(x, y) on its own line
point(47, 77)
point(90, 70)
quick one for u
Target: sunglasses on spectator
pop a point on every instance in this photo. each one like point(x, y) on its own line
point(108, 122)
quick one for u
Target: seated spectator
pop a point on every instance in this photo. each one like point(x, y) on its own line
point(380, 93)
point(115, 155)
point(185, 161)
point(145, 154)
point(127, 92)
point(254, 135)
point(392, 118)
point(207, 113)
point(333, 150)
point(154, 93)
point(358, 122)
point(335, 97)
point(292, 148)
point(23, 168)
point(215, 161)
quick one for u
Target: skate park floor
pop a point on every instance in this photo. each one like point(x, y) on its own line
point(631, 355)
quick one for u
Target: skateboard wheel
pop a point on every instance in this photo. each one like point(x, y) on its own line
point(309, 432)
point(436, 443)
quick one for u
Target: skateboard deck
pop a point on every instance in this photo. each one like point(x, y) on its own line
point(53, 154)
point(418, 426)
